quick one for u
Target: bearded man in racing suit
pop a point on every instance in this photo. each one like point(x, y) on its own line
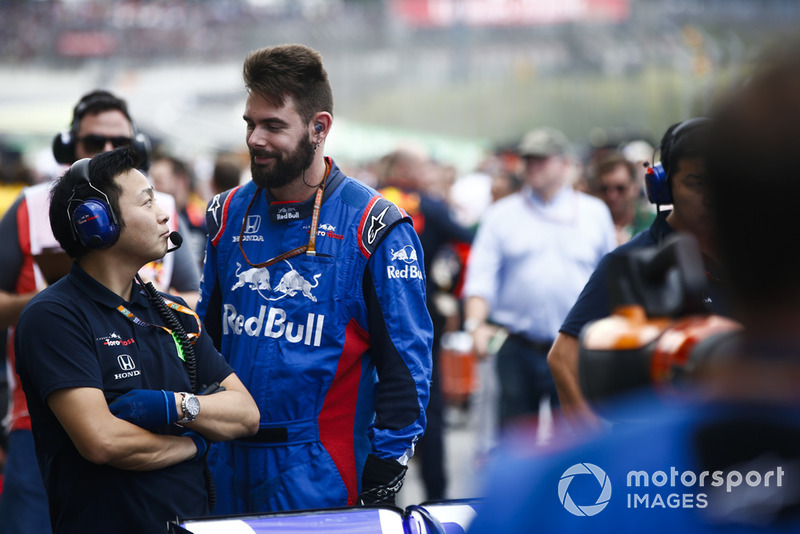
point(314, 290)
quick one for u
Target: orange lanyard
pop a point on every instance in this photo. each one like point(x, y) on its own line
point(175, 306)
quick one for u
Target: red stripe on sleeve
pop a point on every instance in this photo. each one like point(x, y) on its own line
point(224, 217)
point(361, 224)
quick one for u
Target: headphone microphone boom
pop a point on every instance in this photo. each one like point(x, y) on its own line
point(177, 240)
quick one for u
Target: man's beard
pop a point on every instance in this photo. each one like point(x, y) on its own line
point(284, 170)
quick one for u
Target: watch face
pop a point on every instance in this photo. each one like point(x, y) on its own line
point(193, 405)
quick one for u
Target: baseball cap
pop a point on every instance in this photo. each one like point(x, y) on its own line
point(544, 142)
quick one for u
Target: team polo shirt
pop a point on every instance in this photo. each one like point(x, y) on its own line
point(72, 335)
point(593, 302)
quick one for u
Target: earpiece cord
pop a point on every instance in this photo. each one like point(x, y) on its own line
point(189, 362)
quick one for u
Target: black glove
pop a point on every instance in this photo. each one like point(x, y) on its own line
point(380, 481)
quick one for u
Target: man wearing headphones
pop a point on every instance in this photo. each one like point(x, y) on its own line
point(314, 289)
point(32, 259)
point(118, 388)
point(679, 180)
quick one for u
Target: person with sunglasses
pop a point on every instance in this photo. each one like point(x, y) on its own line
point(126, 388)
point(616, 184)
point(682, 186)
point(32, 259)
point(314, 289)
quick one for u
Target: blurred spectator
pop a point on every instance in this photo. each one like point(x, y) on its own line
point(14, 176)
point(227, 175)
point(533, 253)
point(615, 182)
point(403, 175)
point(504, 183)
point(470, 196)
point(173, 176)
point(640, 153)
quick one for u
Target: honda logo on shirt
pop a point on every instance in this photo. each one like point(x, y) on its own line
point(253, 224)
point(125, 362)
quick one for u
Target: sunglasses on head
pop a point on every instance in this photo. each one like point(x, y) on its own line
point(96, 143)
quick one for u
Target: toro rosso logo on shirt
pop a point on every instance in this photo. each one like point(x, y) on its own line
point(409, 267)
point(326, 230)
point(115, 340)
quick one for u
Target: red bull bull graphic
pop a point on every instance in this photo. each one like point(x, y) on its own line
point(291, 283)
point(252, 278)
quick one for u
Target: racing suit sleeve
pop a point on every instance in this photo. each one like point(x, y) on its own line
point(208, 307)
point(401, 334)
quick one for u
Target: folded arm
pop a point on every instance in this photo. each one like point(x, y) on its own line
point(225, 415)
point(102, 438)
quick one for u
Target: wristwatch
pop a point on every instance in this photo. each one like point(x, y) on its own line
point(190, 406)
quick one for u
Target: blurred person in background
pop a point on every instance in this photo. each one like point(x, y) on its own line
point(32, 258)
point(314, 291)
point(226, 175)
point(533, 253)
point(640, 153)
point(173, 176)
point(14, 176)
point(737, 419)
point(504, 183)
point(404, 175)
point(682, 152)
point(616, 183)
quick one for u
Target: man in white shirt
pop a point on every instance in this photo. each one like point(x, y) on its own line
point(533, 253)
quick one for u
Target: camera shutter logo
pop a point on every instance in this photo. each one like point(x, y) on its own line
point(583, 470)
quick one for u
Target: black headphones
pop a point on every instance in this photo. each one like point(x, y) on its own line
point(64, 142)
point(657, 179)
point(93, 221)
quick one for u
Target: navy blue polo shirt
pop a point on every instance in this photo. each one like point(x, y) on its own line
point(71, 335)
point(592, 303)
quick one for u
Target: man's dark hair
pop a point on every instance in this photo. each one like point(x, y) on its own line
point(96, 102)
point(683, 140)
point(103, 170)
point(226, 176)
point(754, 182)
point(611, 161)
point(179, 168)
point(290, 70)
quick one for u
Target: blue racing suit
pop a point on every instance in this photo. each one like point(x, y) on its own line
point(334, 347)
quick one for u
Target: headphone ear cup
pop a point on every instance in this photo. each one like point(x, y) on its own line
point(141, 144)
point(94, 224)
point(64, 147)
point(655, 181)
